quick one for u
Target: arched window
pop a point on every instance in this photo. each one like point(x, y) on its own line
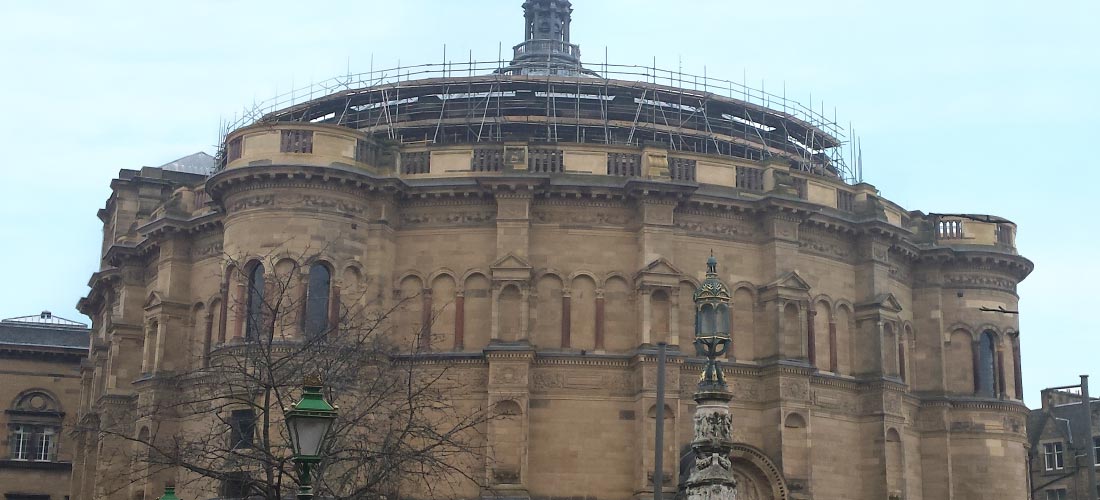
point(986, 373)
point(255, 302)
point(35, 424)
point(318, 291)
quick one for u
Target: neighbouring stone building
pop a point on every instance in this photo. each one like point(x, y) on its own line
point(1058, 439)
point(40, 359)
point(550, 222)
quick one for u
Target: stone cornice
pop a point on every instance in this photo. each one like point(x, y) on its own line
point(981, 258)
point(46, 352)
point(168, 225)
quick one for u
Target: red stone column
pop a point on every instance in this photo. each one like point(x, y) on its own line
point(599, 322)
point(425, 340)
point(975, 351)
point(303, 300)
point(334, 307)
point(1001, 392)
point(223, 315)
point(901, 360)
point(566, 318)
point(460, 320)
point(1017, 373)
point(811, 338)
point(833, 361)
point(240, 302)
point(207, 338)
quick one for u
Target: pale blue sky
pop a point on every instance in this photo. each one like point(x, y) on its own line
point(979, 106)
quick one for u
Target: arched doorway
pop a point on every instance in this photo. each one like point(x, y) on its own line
point(758, 478)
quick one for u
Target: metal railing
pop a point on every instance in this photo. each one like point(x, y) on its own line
point(676, 79)
point(545, 47)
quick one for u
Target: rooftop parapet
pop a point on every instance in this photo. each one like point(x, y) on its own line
point(961, 231)
point(480, 102)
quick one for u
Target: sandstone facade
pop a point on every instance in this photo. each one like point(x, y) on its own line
point(40, 358)
point(861, 365)
point(541, 227)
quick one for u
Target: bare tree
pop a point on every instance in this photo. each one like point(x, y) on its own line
point(407, 425)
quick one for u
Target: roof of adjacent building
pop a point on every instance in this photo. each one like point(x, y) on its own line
point(1066, 416)
point(44, 330)
point(198, 163)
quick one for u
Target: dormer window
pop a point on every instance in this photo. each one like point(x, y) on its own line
point(1052, 456)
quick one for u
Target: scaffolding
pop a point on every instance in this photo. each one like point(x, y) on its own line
point(629, 105)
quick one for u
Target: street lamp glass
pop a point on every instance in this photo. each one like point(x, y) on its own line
point(307, 433)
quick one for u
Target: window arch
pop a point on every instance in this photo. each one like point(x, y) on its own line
point(318, 298)
point(254, 309)
point(34, 426)
point(986, 376)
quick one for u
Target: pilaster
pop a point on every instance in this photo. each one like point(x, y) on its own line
point(507, 434)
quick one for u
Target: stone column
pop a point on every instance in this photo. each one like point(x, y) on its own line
point(1002, 391)
point(566, 317)
point(494, 314)
point(460, 320)
point(975, 361)
point(711, 478)
point(208, 337)
point(241, 303)
point(811, 338)
point(425, 337)
point(1017, 374)
point(524, 315)
point(333, 307)
point(833, 356)
point(901, 360)
point(599, 320)
point(674, 321)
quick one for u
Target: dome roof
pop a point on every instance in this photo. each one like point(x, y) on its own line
point(712, 288)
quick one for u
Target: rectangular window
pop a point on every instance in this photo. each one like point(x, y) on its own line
point(1096, 450)
point(297, 141)
point(21, 443)
point(1056, 494)
point(1052, 456)
point(242, 428)
point(234, 149)
point(845, 200)
point(751, 179)
point(44, 445)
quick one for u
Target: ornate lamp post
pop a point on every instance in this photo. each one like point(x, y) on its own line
point(309, 421)
point(712, 326)
point(712, 476)
point(169, 493)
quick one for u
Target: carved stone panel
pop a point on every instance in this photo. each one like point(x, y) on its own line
point(566, 379)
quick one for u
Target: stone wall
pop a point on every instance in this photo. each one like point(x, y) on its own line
point(855, 334)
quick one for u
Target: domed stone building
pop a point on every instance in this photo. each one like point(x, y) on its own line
point(543, 225)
